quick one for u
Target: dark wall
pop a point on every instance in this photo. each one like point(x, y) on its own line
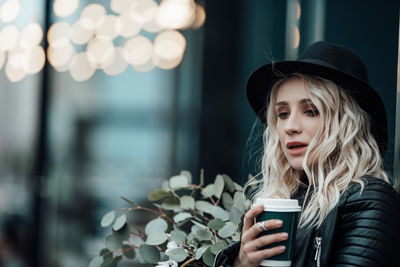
point(370, 28)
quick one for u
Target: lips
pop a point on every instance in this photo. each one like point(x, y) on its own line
point(294, 145)
point(296, 148)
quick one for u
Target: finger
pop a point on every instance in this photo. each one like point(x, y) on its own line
point(259, 255)
point(255, 230)
point(264, 240)
point(250, 215)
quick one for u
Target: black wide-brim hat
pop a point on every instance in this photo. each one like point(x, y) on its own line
point(331, 62)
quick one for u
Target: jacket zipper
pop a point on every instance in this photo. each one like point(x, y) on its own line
point(317, 257)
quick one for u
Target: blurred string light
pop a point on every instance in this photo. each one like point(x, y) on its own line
point(111, 42)
point(20, 50)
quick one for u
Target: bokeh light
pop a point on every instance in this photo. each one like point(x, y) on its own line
point(118, 64)
point(138, 50)
point(92, 15)
point(100, 34)
point(60, 56)
point(127, 25)
point(59, 33)
point(65, 8)
point(35, 59)
point(99, 52)
point(176, 14)
point(144, 11)
point(31, 35)
point(80, 35)
point(14, 74)
point(16, 58)
point(106, 29)
point(9, 36)
point(200, 17)
point(80, 68)
point(10, 10)
point(169, 47)
point(122, 6)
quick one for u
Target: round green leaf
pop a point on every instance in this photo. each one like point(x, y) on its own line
point(178, 236)
point(171, 204)
point(219, 186)
point(199, 224)
point(188, 175)
point(228, 230)
point(123, 233)
point(129, 252)
point(156, 225)
point(149, 254)
point(200, 251)
point(235, 215)
point(113, 242)
point(218, 212)
point(239, 201)
point(178, 181)
point(203, 234)
point(238, 187)
point(208, 257)
point(107, 219)
point(227, 201)
point(180, 217)
point(229, 183)
point(187, 202)
point(216, 224)
point(156, 238)
point(177, 254)
point(208, 191)
point(105, 251)
point(159, 194)
point(217, 247)
point(203, 206)
point(119, 222)
point(236, 237)
point(195, 228)
point(96, 261)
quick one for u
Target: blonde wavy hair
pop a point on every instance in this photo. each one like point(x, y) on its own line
point(342, 151)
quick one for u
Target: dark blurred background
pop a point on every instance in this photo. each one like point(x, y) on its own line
point(69, 150)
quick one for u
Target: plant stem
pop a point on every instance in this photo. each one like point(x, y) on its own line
point(188, 262)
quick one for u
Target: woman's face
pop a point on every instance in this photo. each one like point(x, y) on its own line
point(297, 120)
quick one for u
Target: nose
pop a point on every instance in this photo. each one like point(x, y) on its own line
point(293, 125)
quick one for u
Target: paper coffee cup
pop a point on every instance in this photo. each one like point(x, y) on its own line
point(286, 210)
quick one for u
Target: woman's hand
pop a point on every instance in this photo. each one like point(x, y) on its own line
point(250, 254)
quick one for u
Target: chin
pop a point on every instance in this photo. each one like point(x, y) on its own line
point(296, 164)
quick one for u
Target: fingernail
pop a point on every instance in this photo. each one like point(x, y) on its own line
point(260, 206)
point(284, 235)
point(282, 248)
point(278, 222)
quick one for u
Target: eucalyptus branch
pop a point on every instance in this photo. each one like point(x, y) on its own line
point(188, 262)
point(204, 215)
point(201, 188)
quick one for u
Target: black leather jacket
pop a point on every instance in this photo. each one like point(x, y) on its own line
point(362, 230)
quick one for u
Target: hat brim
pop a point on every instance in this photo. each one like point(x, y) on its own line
point(261, 81)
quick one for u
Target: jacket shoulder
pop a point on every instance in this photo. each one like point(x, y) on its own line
point(371, 190)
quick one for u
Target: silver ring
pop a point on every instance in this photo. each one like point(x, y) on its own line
point(262, 226)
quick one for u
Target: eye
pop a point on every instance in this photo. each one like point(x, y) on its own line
point(283, 115)
point(311, 112)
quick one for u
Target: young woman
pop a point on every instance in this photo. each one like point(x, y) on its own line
point(325, 137)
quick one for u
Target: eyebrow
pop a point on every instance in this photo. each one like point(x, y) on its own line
point(303, 101)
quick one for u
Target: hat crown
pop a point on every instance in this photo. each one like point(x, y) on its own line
point(337, 57)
